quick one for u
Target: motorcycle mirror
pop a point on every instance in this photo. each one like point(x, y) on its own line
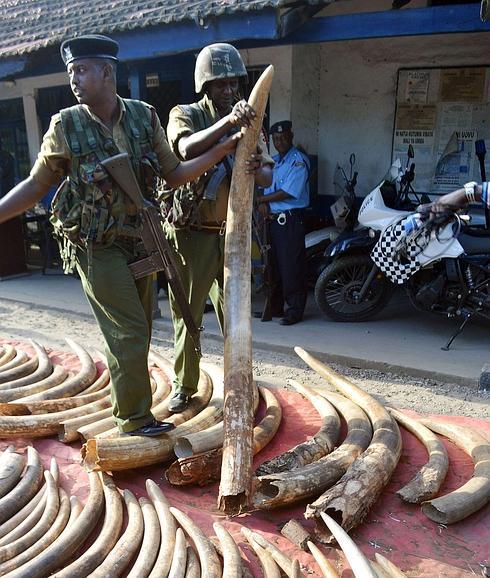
point(411, 154)
point(485, 10)
point(352, 159)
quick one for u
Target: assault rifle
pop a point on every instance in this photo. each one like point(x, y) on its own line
point(159, 253)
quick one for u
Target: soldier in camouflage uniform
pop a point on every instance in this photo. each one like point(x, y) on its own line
point(96, 222)
point(198, 216)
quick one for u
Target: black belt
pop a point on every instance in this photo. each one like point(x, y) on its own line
point(283, 215)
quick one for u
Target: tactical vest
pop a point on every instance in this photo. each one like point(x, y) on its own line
point(88, 209)
point(181, 205)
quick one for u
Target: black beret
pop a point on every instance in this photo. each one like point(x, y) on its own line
point(89, 46)
point(282, 126)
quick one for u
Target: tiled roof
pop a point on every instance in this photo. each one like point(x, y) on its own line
point(28, 25)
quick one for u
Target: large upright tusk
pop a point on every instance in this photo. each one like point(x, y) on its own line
point(23, 542)
point(151, 541)
point(25, 489)
point(359, 488)
point(209, 561)
point(20, 357)
point(389, 567)
point(20, 393)
point(75, 384)
point(205, 468)
point(15, 522)
point(103, 544)
point(7, 354)
point(288, 487)
point(168, 529)
point(426, 483)
point(322, 443)
point(232, 561)
point(119, 557)
point(179, 559)
point(130, 452)
point(11, 466)
point(327, 568)
point(23, 559)
point(358, 562)
point(236, 473)
point(269, 565)
point(70, 540)
point(96, 385)
point(42, 368)
point(471, 496)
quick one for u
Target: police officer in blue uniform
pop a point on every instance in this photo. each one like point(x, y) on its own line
point(284, 202)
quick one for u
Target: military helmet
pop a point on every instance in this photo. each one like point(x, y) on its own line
point(217, 61)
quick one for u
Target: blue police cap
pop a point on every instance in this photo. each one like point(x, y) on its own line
point(89, 46)
point(282, 126)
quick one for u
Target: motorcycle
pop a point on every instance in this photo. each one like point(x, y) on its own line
point(343, 213)
point(443, 263)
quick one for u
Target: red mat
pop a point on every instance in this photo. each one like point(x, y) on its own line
point(398, 531)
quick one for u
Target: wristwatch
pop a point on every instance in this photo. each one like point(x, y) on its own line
point(469, 191)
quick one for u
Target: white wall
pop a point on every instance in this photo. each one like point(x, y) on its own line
point(358, 92)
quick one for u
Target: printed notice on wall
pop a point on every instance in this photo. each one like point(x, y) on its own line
point(462, 85)
point(417, 86)
point(442, 112)
point(415, 125)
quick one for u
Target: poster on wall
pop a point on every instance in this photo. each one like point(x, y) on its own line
point(415, 125)
point(441, 113)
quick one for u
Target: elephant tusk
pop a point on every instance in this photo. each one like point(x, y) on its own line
point(75, 384)
point(121, 554)
point(327, 568)
point(236, 470)
point(279, 489)
point(151, 541)
point(8, 353)
point(15, 523)
point(70, 540)
point(358, 562)
point(26, 488)
point(232, 561)
point(471, 496)
point(19, 358)
point(103, 544)
point(22, 561)
point(269, 566)
point(389, 567)
point(359, 488)
point(43, 368)
point(426, 483)
point(168, 529)
point(179, 559)
point(205, 468)
point(20, 393)
point(130, 452)
point(23, 542)
point(208, 558)
point(11, 466)
point(321, 444)
point(193, 569)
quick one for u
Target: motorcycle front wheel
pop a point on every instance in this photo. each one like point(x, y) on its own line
point(338, 287)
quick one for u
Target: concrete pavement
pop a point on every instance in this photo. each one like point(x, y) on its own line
point(400, 339)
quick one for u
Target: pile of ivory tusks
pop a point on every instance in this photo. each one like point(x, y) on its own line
point(347, 481)
point(44, 532)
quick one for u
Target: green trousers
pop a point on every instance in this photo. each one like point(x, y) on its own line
point(199, 257)
point(123, 310)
